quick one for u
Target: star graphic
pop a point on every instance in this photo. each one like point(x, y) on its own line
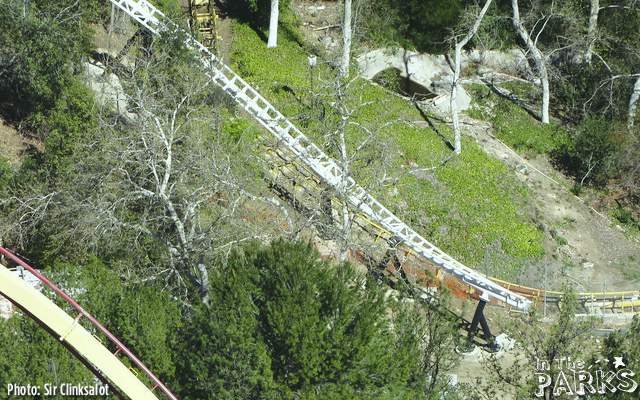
point(618, 362)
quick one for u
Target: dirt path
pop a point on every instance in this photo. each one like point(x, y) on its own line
point(320, 24)
point(581, 243)
point(225, 39)
point(13, 144)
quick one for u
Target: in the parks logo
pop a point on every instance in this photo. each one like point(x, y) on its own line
point(575, 377)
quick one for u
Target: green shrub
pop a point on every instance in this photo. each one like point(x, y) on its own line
point(560, 240)
point(46, 45)
point(626, 217)
point(592, 155)
point(140, 314)
point(5, 172)
point(574, 94)
point(420, 24)
point(255, 12)
point(577, 189)
point(389, 78)
point(64, 125)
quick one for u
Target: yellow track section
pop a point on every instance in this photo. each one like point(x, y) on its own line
point(69, 330)
point(287, 168)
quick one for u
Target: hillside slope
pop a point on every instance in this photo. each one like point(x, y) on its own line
point(491, 202)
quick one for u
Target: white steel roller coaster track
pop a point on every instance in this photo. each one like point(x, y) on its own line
point(288, 135)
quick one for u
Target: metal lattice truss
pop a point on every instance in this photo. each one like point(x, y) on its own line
point(286, 134)
point(143, 12)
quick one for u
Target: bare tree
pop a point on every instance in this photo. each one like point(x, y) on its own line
point(336, 124)
point(357, 130)
point(592, 29)
point(456, 75)
point(189, 184)
point(173, 180)
point(273, 24)
point(347, 34)
point(24, 212)
point(633, 105)
point(538, 56)
point(592, 37)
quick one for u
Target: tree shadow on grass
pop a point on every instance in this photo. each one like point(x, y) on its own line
point(428, 119)
point(512, 98)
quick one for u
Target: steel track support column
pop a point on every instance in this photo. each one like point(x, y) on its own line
point(327, 206)
point(392, 254)
point(479, 318)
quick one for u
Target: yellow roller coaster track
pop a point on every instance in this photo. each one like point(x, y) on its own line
point(285, 165)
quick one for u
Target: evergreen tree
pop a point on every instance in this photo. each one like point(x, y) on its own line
point(223, 355)
point(32, 356)
point(626, 345)
point(284, 321)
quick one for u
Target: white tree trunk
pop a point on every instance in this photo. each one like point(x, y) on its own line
point(591, 29)
point(113, 13)
point(346, 39)
point(273, 24)
point(457, 143)
point(205, 289)
point(540, 59)
point(633, 105)
point(346, 219)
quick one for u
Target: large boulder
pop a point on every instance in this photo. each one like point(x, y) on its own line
point(443, 101)
point(107, 88)
point(435, 71)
